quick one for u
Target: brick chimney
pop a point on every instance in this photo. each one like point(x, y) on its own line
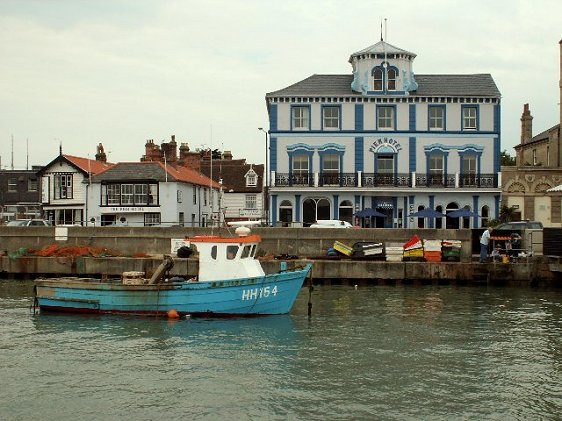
point(526, 125)
point(100, 154)
point(227, 155)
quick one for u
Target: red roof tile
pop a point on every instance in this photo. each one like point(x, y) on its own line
point(89, 165)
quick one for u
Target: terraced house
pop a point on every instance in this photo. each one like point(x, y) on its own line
point(384, 138)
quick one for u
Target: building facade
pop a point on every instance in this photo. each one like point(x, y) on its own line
point(20, 194)
point(385, 139)
point(533, 187)
point(65, 182)
point(153, 193)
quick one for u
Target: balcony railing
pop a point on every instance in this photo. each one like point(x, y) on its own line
point(402, 180)
point(385, 180)
point(288, 180)
point(342, 180)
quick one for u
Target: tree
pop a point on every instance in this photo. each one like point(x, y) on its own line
point(507, 213)
point(507, 160)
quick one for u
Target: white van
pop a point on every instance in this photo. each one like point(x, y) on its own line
point(331, 223)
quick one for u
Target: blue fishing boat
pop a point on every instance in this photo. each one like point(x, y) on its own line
point(230, 281)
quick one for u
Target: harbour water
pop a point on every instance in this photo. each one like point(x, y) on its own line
point(380, 352)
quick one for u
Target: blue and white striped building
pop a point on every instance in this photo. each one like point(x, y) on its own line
point(384, 138)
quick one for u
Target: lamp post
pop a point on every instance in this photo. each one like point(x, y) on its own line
point(266, 181)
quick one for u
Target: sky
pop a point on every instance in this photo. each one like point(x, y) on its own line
point(120, 72)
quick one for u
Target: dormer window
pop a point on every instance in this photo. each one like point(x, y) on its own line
point(377, 79)
point(392, 74)
point(251, 179)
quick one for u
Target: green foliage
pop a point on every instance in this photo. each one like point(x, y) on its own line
point(506, 159)
point(507, 213)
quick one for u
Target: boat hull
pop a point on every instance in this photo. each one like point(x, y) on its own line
point(269, 294)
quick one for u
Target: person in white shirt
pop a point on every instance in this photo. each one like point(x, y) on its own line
point(484, 241)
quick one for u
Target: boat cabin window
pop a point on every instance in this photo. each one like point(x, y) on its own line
point(214, 252)
point(231, 252)
point(245, 252)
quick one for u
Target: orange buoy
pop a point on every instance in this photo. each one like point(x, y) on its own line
point(173, 314)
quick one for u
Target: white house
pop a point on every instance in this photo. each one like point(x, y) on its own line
point(384, 138)
point(153, 193)
point(64, 187)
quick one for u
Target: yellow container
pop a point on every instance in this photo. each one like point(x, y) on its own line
point(505, 259)
point(343, 248)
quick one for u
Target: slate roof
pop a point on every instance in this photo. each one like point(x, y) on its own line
point(481, 85)
point(379, 48)
point(541, 137)
point(153, 171)
point(232, 172)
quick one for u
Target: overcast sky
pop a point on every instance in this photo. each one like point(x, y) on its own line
point(124, 71)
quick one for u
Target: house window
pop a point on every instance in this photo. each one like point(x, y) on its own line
point(151, 218)
point(469, 118)
point(179, 196)
point(300, 165)
point(535, 157)
point(194, 195)
point(377, 79)
point(63, 186)
point(205, 197)
point(113, 194)
point(141, 191)
point(436, 164)
point(469, 164)
point(127, 194)
point(392, 79)
point(300, 118)
point(12, 185)
point(331, 118)
point(251, 201)
point(32, 184)
point(385, 117)
point(437, 118)
point(251, 180)
point(385, 164)
point(330, 164)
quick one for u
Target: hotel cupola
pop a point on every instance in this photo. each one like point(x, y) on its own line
point(383, 69)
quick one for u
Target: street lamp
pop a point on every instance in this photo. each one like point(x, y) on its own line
point(266, 185)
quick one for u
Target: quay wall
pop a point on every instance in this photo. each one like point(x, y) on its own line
point(301, 242)
point(531, 272)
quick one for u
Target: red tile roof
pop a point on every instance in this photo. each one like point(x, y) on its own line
point(89, 165)
point(189, 176)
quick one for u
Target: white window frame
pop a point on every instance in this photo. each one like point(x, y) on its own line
point(251, 201)
point(300, 116)
point(127, 194)
point(251, 180)
point(469, 118)
point(331, 118)
point(436, 120)
point(385, 118)
point(12, 185)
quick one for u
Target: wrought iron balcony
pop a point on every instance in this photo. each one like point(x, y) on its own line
point(342, 180)
point(287, 180)
point(385, 180)
point(482, 180)
point(435, 180)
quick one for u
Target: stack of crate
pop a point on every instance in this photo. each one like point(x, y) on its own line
point(413, 250)
point(451, 250)
point(394, 252)
point(432, 250)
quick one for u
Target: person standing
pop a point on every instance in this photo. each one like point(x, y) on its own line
point(484, 241)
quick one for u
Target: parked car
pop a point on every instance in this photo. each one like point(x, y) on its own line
point(520, 225)
point(29, 223)
point(331, 223)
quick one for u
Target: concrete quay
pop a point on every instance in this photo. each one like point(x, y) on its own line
point(535, 272)
point(306, 243)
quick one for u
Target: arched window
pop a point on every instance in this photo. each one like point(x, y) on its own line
point(392, 74)
point(346, 211)
point(451, 223)
point(421, 221)
point(377, 79)
point(314, 209)
point(485, 213)
point(286, 213)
